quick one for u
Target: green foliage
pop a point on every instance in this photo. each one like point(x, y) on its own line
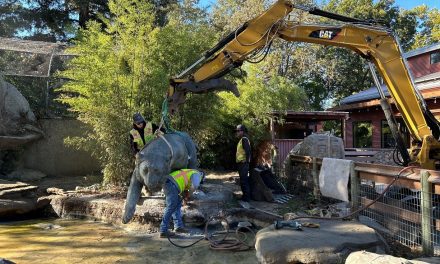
point(125, 69)
point(429, 26)
point(363, 132)
point(49, 20)
point(333, 125)
point(105, 83)
point(262, 92)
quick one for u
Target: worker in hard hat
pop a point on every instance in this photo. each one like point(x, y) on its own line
point(141, 133)
point(243, 159)
point(176, 184)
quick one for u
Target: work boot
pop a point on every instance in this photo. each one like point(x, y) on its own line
point(181, 230)
point(166, 234)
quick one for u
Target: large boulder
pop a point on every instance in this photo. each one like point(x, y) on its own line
point(17, 121)
point(22, 174)
point(321, 145)
point(16, 199)
point(330, 243)
point(373, 258)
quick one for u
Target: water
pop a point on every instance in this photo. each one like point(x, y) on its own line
point(82, 241)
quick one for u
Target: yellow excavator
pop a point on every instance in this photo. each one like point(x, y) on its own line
point(375, 43)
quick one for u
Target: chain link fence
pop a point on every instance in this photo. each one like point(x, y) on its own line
point(30, 66)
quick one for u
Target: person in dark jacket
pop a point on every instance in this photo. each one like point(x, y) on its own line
point(141, 133)
point(243, 159)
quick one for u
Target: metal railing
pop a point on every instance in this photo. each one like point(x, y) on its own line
point(408, 213)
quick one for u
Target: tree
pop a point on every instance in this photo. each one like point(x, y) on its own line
point(105, 80)
point(48, 20)
point(337, 72)
point(262, 91)
point(428, 25)
point(123, 69)
point(10, 17)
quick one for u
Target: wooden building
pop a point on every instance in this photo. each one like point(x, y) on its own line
point(367, 126)
point(289, 128)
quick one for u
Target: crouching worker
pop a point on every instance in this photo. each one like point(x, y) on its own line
point(177, 183)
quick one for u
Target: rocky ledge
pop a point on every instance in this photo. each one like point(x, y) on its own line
point(331, 242)
point(17, 198)
point(215, 200)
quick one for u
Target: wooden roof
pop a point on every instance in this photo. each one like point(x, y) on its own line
point(311, 115)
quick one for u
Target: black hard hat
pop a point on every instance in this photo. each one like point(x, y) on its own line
point(138, 118)
point(241, 127)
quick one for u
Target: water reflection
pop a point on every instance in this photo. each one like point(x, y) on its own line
point(81, 241)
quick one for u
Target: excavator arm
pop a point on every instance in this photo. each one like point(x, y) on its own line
point(375, 43)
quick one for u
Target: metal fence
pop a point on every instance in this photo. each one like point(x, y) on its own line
point(408, 214)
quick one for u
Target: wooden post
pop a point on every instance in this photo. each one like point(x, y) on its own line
point(355, 187)
point(426, 203)
point(315, 176)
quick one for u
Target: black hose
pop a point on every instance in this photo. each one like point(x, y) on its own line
point(226, 242)
point(237, 244)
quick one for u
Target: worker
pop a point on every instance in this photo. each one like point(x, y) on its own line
point(243, 159)
point(177, 183)
point(141, 134)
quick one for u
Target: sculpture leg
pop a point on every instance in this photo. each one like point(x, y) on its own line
point(134, 192)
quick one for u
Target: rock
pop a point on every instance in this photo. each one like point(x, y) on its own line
point(385, 156)
point(373, 258)
point(47, 226)
point(432, 260)
point(298, 178)
point(14, 208)
point(330, 243)
point(17, 198)
point(92, 188)
point(202, 207)
point(244, 224)
point(149, 210)
point(257, 218)
point(26, 175)
point(17, 121)
point(15, 105)
point(57, 191)
point(5, 261)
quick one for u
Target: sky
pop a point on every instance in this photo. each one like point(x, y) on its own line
point(407, 4)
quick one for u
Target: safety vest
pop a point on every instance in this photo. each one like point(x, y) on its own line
point(148, 135)
point(183, 178)
point(240, 156)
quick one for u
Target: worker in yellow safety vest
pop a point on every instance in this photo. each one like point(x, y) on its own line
point(141, 133)
point(176, 184)
point(243, 159)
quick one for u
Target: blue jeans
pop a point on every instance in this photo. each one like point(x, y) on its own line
point(173, 206)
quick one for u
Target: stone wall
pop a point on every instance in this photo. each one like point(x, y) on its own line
point(50, 156)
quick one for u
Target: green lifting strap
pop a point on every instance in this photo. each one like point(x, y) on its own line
point(167, 121)
point(166, 117)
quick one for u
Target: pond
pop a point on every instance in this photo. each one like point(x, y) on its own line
point(83, 241)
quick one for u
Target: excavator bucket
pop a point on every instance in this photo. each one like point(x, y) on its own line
point(178, 93)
